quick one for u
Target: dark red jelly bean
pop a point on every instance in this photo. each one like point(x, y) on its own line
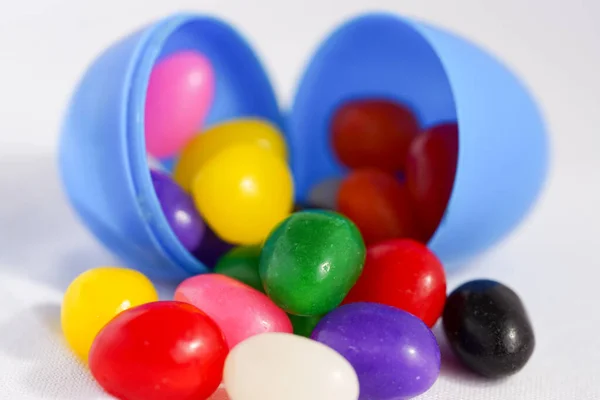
point(379, 205)
point(430, 172)
point(404, 274)
point(161, 350)
point(373, 133)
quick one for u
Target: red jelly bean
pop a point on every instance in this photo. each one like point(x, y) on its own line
point(373, 133)
point(161, 350)
point(430, 171)
point(379, 204)
point(403, 273)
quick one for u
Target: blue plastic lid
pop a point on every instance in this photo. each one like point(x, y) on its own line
point(502, 144)
point(503, 149)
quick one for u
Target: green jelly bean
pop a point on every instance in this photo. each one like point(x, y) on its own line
point(303, 326)
point(310, 262)
point(241, 263)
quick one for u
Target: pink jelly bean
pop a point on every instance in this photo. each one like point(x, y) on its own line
point(179, 96)
point(239, 310)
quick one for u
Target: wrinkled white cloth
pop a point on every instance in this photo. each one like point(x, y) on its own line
point(551, 260)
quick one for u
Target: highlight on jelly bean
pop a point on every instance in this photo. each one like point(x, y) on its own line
point(97, 296)
point(405, 274)
point(488, 328)
point(382, 343)
point(179, 96)
point(180, 211)
point(160, 350)
point(312, 370)
point(243, 192)
point(310, 262)
point(313, 279)
point(218, 137)
point(238, 309)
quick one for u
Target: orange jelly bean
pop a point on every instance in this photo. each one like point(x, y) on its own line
point(379, 204)
point(430, 172)
point(373, 133)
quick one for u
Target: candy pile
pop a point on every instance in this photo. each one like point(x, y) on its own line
point(400, 179)
point(333, 302)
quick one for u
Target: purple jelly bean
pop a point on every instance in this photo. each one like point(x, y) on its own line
point(179, 209)
point(394, 353)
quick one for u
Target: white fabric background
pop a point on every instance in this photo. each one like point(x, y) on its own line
point(551, 260)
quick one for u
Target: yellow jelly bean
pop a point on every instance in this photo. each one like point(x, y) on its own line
point(243, 192)
point(218, 137)
point(95, 297)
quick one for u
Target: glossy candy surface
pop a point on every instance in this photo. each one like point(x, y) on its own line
point(373, 133)
point(277, 366)
point(179, 209)
point(310, 262)
point(217, 138)
point(379, 204)
point(95, 297)
point(243, 193)
point(179, 96)
point(405, 274)
point(394, 353)
point(239, 310)
point(430, 171)
point(241, 264)
point(488, 328)
point(157, 351)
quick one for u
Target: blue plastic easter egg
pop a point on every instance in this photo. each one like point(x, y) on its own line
point(503, 150)
point(502, 143)
point(103, 160)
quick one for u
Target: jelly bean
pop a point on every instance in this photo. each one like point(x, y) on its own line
point(378, 204)
point(161, 350)
point(243, 193)
point(324, 194)
point(310, 262)
point(488, 328)
point(180, 92)
point(95, 297)
point(404, 274)
point(221, 136)
point(430, 171)
point(304, 326)
point(373, 133)
point(241, 264)
point(277, 366)
point(179, 209)
point(239, 310)
point(394, 353)
point(212, 248)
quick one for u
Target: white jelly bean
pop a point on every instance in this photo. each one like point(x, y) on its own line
point(278, 366)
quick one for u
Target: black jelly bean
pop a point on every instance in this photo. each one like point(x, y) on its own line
point(488, 328)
